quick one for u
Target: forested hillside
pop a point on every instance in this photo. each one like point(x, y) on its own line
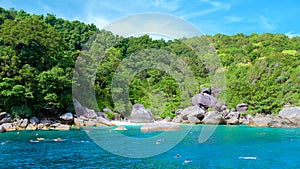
point(38, 55)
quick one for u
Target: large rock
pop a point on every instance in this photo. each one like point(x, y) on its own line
point(206, 90)
point(8, 126)
point(84, 111)
point(274, 121)
point(242, 107)
point(46, 122)
point(207, 101)
point(34, 120)
point(232, 114)
point(78, 122)
point(103, 121)
point(67, 118)
point(192, 114)
point(160, 127)
point(260, 121)
point(31, 126)
point(213, 117)
point(2, 129)
point(233, 120)
point(24, 123)
point(5, 118)
point(140, 114)
point(290, 112)
point(90, 123)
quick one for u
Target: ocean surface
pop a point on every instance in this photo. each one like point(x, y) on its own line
point(228, 147)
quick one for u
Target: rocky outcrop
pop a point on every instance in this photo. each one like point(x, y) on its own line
point(159, 127)
point(31, 126)
point(232, 117)
point(213, 117)
point(67, 118)
point(242, 107)
point(290, 112)
point(99, 121)
point(34, 120)
point(204, 100)
point(192, 114)
point(5, 118)
point(140, 114)
point(274, 121)
point(8, 126)
point(2, 129)
point(84, 111)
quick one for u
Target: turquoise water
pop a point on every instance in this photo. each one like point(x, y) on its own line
point(226, 148)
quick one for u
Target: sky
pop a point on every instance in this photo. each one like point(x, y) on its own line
point(209, 16)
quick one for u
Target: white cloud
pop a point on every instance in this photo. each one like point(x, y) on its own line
point(234, 18)
point(266, 23)
point(100, 22)
point(169, 5)
point(214, 6)
point(291, 34)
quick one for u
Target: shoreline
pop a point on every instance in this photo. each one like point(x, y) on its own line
point(124, 124)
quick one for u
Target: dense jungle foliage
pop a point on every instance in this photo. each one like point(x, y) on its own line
point(38, 55)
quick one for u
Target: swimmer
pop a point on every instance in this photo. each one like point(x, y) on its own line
point(187, 160)
point(40, 138)
point(157, 142)
point(33, 141)
point(177, 156)
point(57, 139)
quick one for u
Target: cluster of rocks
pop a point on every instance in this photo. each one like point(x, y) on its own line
point(90, 117)
point(199, 113)
point(287, 117)
point(83, 117)
point(33, 123)
point(207, 109)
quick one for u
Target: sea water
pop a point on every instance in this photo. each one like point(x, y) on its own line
point(228, 147)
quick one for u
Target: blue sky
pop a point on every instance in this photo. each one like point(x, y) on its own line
point(210, 16)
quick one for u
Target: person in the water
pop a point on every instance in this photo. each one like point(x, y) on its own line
point(177, 156)
point(187, 160)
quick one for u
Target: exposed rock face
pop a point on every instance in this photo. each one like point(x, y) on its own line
point(8, 127)
point(242, 107)
point(24, 123)
point(67, 118)
point(290, 112)
point(167, 119)
point(140, 114)
point(160, 127)
point(273, 121)
point(213, 117)
point(34, 120)
point(99, 121)
point(177, 112)
point(2, 129)
point(204, 100)
point(5, 118)
point(206, 90)
point(84, 111)
point(31, 126)
point(192, 114)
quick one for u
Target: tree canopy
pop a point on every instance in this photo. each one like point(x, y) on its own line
point(38, 55)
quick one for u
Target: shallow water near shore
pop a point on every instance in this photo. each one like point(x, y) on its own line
point(229, 147)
